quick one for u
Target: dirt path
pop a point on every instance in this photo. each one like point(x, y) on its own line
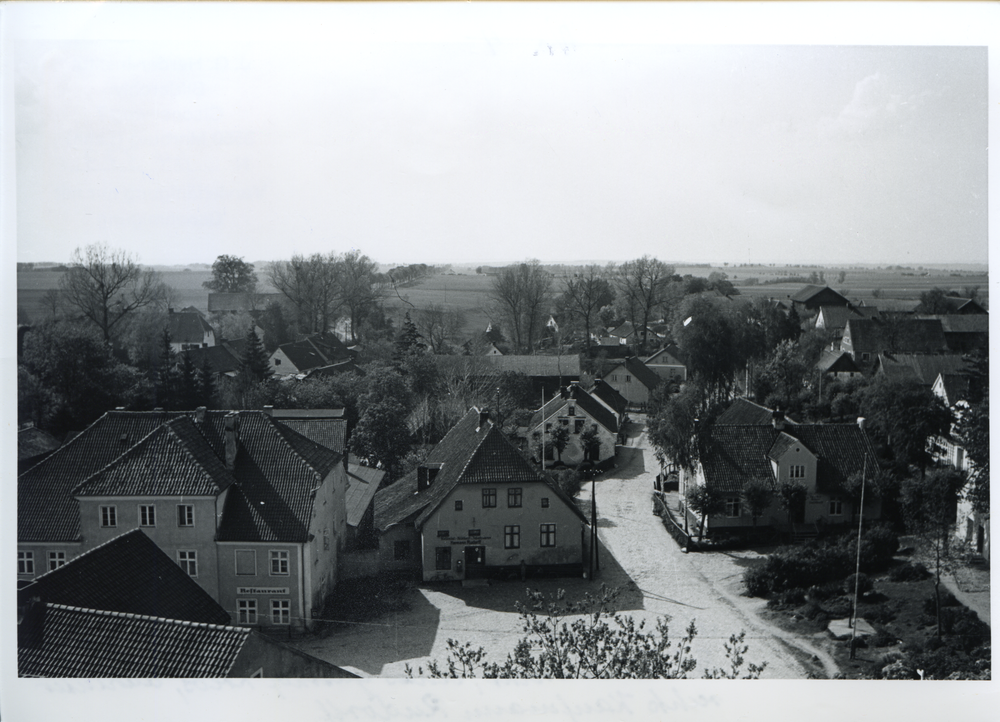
point(703, 587)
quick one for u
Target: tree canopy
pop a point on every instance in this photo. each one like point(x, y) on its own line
point(231, 274)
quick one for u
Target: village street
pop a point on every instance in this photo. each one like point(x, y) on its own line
point(654, 576)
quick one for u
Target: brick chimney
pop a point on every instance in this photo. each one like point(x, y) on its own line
point(861, 423)
point(778, 419)
point(232, 426)
point(199, 415)
point(484, 417)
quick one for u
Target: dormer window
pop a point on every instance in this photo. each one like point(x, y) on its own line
point(426, 474)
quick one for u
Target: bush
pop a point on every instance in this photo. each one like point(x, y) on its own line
point(838, 607)
point(882, 638)
point(757, 581)
point(947, 600)
point(879, 545)
point(909, 572)
point(879, 614)
point(787, 598)
point(898, 670)
point(864, 583)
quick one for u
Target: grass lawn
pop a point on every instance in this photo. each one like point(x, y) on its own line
point(902, 614)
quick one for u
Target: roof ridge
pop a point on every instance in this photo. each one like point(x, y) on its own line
point(475, 450)
point(281, 435)
point(68, 444)
point(81, 555)
point(201, 436)
point(147, 617)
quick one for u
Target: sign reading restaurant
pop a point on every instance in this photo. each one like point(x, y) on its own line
point(262, 590)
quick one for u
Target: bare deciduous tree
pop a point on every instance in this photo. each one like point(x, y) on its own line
point(438, 325)
point(312, 286)
point(107, 285)
point(642, 288)
point(585, 296)
point(518, 296)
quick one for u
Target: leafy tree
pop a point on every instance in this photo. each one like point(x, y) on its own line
point(254, 363)
point(929, 502)
point(381, 439)
point(706, 336)
point(560, 439)
point(756, 496)
point(779, 381)
point(518, 296)
point(705, 501)
point(842, 276)
point(672, 427)
point(206, 385)
point(106, 286)
point(231, 274)
point(791, 497)
point(903, 415)
point(591, 442)
point(596, 643)
point(974, 431)
point(585, 295)
point(933, 302)
point(276, 327)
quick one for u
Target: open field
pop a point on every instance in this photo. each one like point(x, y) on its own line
point(467, 292)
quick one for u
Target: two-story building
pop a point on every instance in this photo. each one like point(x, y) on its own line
point(252, 510)
point(474, 508)
point(633, 380)
point(825, 459)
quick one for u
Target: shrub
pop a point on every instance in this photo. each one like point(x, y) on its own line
point(909, 572)
point(947, 600)
point(757, 581)
point(882, 638)
point(966, 629)
point(879, 614)
point(838, 607)
point(864, 583)
point(878, 546)
point(787, 598)
point(898, 670)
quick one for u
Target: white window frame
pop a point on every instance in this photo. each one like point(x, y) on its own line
point(149, 512)
point(188, 560)
point(25, 562)
point(836, 507)
point(188, 520)
point(281, 611)
point(733, 505)
point(108, 516)
point(281, 557)
point(547, 535)
point(236, 562)
point(246, 611)
point(56, 559)
point(797, 471)
point(512, 536)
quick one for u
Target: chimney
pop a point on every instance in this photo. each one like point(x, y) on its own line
point(484, 416)
point(778, 419)
point(232, 421)
point(269, 409)
point(170, 310)
point(861, 423)
point(199, 415)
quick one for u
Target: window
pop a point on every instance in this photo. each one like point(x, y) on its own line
point(458, 505)
point(578, 426)
point(281, 611)
point(475, 532)
point(797, 471)
point(56, 560)
point(572, 410)
point(512, 537)
point(489, 498)
point(147, 515)
point(109, 516)
point(188, 561)
point(514, 497)
point(442, 558)
point(614, 377)
point(279, 563)
point(545, 502)
point(246, 611)
point(185, 515)
point(732, 507)
point(246, 562)
point(865, 356)
point(564, 422)
point(25, 562)
point(401, 550)
point(547, 535)
point(443, 534)
point(548, 427)
point(277, 362)
point(836, 507)
point(628, 379)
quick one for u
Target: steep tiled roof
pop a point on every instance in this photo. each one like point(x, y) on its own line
point(782, 443)
point(923, 367)
point(362, 483)
point(278, 471)
point(75, 642)
point(744, 412)
point(187, 327)
point(963, 305)
point(836, 317)
point(222, 358)
point(955, 388)
point(566, 366)
point(128, 574)
point(304, 355)
point(808, 292)
point(963, 323)
point(595, 410)
point(469, 453)
point(174, 460)
point(46, 509)
point(836, 361)
point(331, 432)
point(733, 455)
point(664, 357)
point(609, 395)
point(901, 336)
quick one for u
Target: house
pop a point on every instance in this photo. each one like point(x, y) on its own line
point(838, 364)
point(603, 392)
point(964, 333)
point(223, 359)
point(188, 330)
point(627, 334)
point(809, 298)
point(951, 389)
point(126, 609)
point(252, 510)
point(547, 373)
point(579, 412)
point(309, 353)
point(921, 367)
point(666, 364)
point(833, 319)
point(33, 445)
point(823, 458)
point(474, 508)
point(744, 412)
point(964, 306)
point(633, 380)
point(865, 338)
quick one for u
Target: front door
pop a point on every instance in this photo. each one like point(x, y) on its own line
point(475, 562)
point(980, 540)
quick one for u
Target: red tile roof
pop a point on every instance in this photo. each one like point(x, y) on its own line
point(77, 642)
point(174, 460)
point(128, 574)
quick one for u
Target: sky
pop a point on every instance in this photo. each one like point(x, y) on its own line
point(442, 134)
